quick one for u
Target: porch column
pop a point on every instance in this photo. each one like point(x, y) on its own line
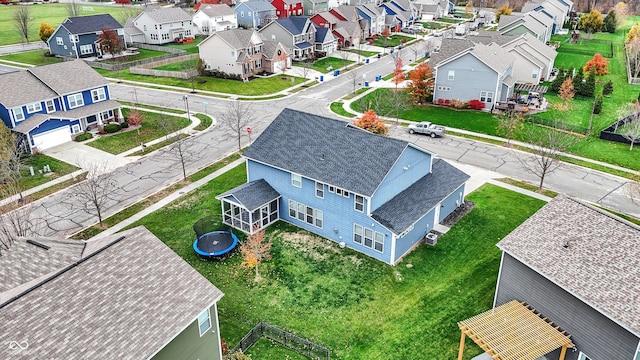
point(120, 114)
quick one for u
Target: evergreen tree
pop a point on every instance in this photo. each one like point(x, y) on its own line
point(557, 82)
point(577, 81)
point(610, 22)
point(597, 105)
point(608, 88)
point(589, 87)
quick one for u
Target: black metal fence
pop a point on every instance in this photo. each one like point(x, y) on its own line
point(610, 132)
point(556, 124)
point(286, 339)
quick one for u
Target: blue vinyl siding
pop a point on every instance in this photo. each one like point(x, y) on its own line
point(87, 39)
point(420, 229)
point(451, 203)
point(59, 50)
point(245, 20)
point(4, 115)
point(471, 77)
point(339, 215)
point(52, 124)
point(417, 164)
point(86, 96)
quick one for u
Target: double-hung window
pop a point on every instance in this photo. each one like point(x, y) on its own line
point(486, 96)
point(359, 203)
point(18, 114)
point(98, 95)
point(34, 107)
point(368, 238)
point(296, 180)
point(451, 75)
point(86, 49)
point(59, 41)
point(51, 107)
point(320, 190)
point(204, 322)
point(75, 100)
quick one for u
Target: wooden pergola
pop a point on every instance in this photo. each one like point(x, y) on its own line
point(513, 331)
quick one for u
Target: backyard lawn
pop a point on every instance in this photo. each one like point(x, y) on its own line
point(53, 14)
point(329, 64)
point(151, 129)
point(356, 306)
point(191, 48)
point(38, 162)
point(34, 57)
point(393, 40)
point(179, 66)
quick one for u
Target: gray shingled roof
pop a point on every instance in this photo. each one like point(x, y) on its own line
point(399, 213)
point(494, 56)
point(449, 48)
point(21, 87)
point(598, 241)
point(127, 301)
point(294, 24)
point(327, 150)
point(69, 76)
point(259, 5)
point(167, 15)
point(90, 23)
point(131, 29)
point(237, 38)
point(252, 195)
point(84, 111)
point(213, 10)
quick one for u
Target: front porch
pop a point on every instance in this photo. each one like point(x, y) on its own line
point(250, 207)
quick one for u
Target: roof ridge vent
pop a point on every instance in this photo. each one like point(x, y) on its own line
point(40, 245)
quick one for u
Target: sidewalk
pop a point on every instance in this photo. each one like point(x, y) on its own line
point(167, 200)
point(48, 184)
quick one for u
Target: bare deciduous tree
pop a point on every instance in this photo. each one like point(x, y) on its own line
point(354, 78)
point(179, 147)
point(631, 129)
point(73, 8)
point(16, 220)
point(237, 117)
point(94, 193)
point(417, 50)
point(547, 146)
point(22, 21)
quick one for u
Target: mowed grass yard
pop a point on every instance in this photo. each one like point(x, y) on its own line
point(151, 129)
point(356, 306)
point(34, 57)
point(53, 14)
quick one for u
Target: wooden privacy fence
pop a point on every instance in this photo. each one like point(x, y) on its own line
point(147, 69)
point(286, 339)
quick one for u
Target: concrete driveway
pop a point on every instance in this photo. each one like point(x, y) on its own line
point(87, 157)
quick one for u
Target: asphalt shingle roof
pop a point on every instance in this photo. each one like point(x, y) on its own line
point(90, 23)
point(213, 10)
point(252, 195)
point(399, 213)
point(68, 76)
point(167, 15)
point(259, 5)
point(238, 38)
point(127, 301)
point(327, 150)
point(294, 24)
point(34, 121)
point(596, 240)
point(449, 48)
point(21, 87)
point(494, 56)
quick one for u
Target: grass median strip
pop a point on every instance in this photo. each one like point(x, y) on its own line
point(145, 203)
point(205, 122)
point(527, 186)
point(152, 107)
point(159, 145)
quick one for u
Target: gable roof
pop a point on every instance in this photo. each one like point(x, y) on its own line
point(258, 5)
point(21, 87)
point(91, 23)
point(236, 38)
point(450, 48)
point(107, 302)
point(409, 206)
point(252, 195)
point(131, 29)
point(595, 239)
point(213, 10)
point(293, 24)
point(162, 15)
point(84, 111)
point(68, 76)
point(327, 150)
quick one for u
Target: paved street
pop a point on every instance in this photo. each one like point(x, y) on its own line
point(61, 215)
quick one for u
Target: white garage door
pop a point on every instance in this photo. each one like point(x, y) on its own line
point(52, 138)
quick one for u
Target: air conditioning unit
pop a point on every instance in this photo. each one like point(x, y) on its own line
point(431, 239)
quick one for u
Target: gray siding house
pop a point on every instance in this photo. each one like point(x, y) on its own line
point(255, 13)
point(105, 299)
point(468, 71)
point(578, 266)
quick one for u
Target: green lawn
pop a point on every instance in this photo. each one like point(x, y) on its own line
point(58, 169)
point(337, 108)
point(363, 52)
point(433, 25)
point(393, 40)
point(189, 48)
point(340, 298)
point(34, 57)
point(323, 64)
point(205, 122)
point(142, 54)
point(179, 66)
point(451, 21)
point(257, 86)
point(53, 14)
point(151, 129)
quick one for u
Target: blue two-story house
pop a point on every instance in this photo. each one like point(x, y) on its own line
point(374, 194)
point(47, 105)
point(78, 36)
point(255, 13)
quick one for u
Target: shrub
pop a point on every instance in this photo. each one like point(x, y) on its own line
point(597, 104)
point(457, 104)
point(476, 105)
point(112, 128)
point(135, 117)
point(83, 137)
point(124, 125)
point(608, 88)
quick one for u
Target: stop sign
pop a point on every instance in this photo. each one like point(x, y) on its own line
point(248, 130)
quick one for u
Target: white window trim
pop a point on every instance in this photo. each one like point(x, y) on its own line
point(99, 93)
point(15, 116)
point(37, 106)
point(53, 105)
point(485, 97)
point(451, 75)
point(296, 180)
point(583, 356)
point(75, 97)
point(208, 319)
point(319, 190)
point(59, 40)
point(356, 203)
point(86, 49)
point(535, 73)
point(375, 236)
point(298, 209)
point(75, 128)
point(637, 357)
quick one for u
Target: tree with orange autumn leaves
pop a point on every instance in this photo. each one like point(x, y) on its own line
point(599, 64)
point(421, 85)
point(371, 122)
point(254, 250)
